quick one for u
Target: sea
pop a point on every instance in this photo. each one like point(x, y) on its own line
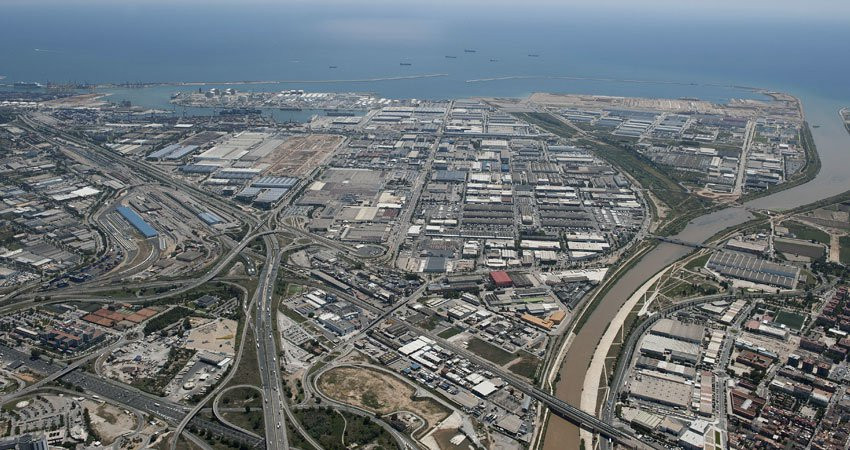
point(713, 50)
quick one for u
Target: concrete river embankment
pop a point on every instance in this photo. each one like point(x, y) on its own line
point(833, 145)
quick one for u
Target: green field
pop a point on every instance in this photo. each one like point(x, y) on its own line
point(789, 319)
point(527, 366)
point(697, 262)
point(449, 332)
point(807, 233)
point(327, 427)
point(489, 351)
point(844, 244)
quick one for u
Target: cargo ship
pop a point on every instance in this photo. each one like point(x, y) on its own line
point(239, 112)
point(331, 67)
point(405, 64)
point(338, 113)
point(469, 50)
point(533, 55)
point(28, 84)
point(451, 57)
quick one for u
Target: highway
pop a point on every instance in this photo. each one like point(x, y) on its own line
point(554, 404)
point(265, 226)
point(171, 413)
point(273, 400)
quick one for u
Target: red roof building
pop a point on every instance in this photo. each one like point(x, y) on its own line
point(500, 278)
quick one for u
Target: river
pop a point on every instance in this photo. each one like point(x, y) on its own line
point(833, 145)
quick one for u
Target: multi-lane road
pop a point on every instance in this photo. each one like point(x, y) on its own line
point(273, 399)
point(170, 412)
point(275, 407)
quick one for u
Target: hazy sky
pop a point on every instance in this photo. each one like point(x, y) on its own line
point(828, 10)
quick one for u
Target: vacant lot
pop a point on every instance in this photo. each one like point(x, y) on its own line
point(378, 392)
point(218, 335)
point(806, 232)
point(449, 332)
point(297, 155)
point(109, 421)
point(844, 242)
point(489, 351)
point(526, 366)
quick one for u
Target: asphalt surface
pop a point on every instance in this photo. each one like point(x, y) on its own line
point(273, 401)
point(171, 413)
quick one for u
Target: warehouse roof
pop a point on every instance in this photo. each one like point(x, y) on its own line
point(679, 330)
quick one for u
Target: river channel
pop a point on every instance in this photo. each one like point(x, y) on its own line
point(833, 145)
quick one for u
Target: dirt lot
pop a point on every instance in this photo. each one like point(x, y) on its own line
point(378, 392)
point(297, 155)
point(89, 100)
point(109, 421)
point(218, 335)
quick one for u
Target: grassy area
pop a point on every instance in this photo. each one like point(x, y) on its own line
point(489, 351)
point(248, 371)
point(449, 332)
point(288, 312)
point(526, 366)
point(241, 397)
point(378, 392)
point(250, 419)
point(789, 319)
point(293, 289)
point(295, 438)
point(805, 232)
point(326, 426)
point(844, 252)
point(167, 318)
point(697, 262)
point(431, 323)
point(681, 289)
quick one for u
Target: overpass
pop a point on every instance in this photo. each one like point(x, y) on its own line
point(684, 243)
point(556, 405)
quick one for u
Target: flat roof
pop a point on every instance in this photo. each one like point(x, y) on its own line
point(137, 222)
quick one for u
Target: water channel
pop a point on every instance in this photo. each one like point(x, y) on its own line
point(833, 145)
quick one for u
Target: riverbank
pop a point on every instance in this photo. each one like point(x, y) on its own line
point(831, 179)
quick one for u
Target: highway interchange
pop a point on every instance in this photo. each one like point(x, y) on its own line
point(267, 227)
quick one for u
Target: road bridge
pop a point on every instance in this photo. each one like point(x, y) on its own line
point(670, 240)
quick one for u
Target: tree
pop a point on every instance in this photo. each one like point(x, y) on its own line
point(35, 353)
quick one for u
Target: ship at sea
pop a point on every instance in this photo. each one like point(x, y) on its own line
point(239, 112)
point(28, 84)
point(533, 55)
point(338, 113)
point(469, 50)
point(494, 60)
point(451, 57)
point(405, 64)
point(290, 108)
point(331, 67)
